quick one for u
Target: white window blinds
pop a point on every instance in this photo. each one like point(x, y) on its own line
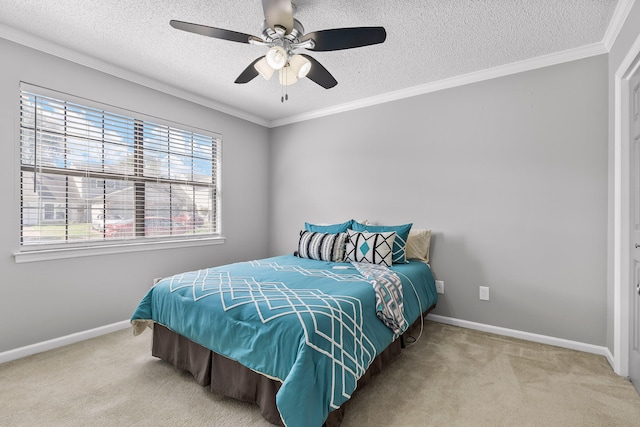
point(89, 175)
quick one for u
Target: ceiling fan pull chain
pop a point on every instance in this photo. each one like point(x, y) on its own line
point(284, 90)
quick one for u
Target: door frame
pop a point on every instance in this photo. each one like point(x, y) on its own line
point(621, 210)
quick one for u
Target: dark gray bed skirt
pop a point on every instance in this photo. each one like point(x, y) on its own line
point(230, 378)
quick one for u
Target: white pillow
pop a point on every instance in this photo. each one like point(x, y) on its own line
point(374, 248)
point(418, 244)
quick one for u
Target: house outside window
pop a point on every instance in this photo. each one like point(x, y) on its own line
point(92, 174)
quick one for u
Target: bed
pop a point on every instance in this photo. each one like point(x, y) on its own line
point(293, 334)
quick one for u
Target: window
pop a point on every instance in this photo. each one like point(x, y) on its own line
point(96, 175)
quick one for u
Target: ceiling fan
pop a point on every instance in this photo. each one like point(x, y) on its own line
point(284, 35)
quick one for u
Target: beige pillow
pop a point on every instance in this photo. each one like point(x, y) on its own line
point(418, 244)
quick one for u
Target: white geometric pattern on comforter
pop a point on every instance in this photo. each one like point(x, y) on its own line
point(275, 299)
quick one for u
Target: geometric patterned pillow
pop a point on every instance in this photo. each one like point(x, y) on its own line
point(322, 246)
point(374, 248)
point(399, 245)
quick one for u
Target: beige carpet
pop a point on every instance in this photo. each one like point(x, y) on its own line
point(451, 377)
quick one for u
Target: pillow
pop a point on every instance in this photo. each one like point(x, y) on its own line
point(418, 244)
point(374, 248)
point(400, 243)
point(329, 228)
point(322, 246)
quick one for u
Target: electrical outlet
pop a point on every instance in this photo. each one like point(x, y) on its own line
point(484, 293)
point(440, 286)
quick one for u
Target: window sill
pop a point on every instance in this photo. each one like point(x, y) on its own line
point(62, 253)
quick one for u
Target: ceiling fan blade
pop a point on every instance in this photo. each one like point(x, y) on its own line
point(278, 13)
point(249, 73)
point(319, 74)
point(346, 38)
point(205, 30)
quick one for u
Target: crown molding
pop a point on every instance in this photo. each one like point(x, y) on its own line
point(29, 40)
point(461, 80)
point(619, 16)
point(611, 34)
point(617, 21)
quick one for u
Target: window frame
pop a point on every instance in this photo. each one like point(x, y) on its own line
point(88, 247)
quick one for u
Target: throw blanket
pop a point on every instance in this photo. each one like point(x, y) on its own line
point(389, 299)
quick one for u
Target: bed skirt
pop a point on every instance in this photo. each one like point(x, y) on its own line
point(229, 378)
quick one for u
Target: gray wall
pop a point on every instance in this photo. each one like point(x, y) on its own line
point(630, 31)
point(510, 174)
point(45, 300)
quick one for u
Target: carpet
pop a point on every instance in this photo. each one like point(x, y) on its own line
point(451, 377)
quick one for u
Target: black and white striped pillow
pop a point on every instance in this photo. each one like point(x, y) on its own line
point(322, 246)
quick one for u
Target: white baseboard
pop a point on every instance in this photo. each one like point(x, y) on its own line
point(62, 341)
point(610, 359)
point(527, 336)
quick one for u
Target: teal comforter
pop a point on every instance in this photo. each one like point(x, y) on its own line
point(300, 321)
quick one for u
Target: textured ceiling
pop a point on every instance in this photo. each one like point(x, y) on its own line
point(427, 41)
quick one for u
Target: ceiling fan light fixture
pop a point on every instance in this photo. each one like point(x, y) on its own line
point(300, 66)
point(264, 69)
point(276, 57)
point(287, 77)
